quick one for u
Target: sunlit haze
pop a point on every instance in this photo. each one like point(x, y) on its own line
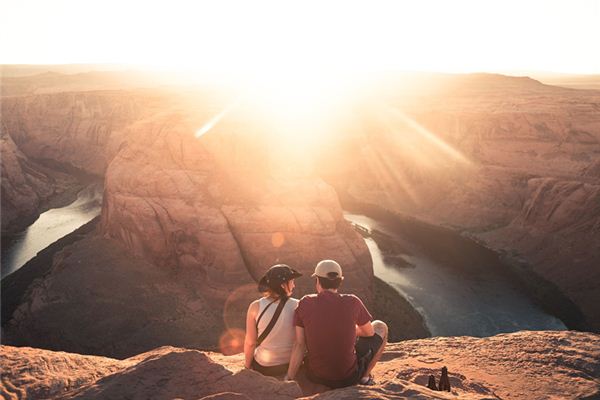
point(268, 37)
point(300, 61)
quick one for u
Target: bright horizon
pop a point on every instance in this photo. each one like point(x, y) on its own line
point(267, 37)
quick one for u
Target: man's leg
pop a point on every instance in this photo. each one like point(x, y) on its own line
point(380, 329)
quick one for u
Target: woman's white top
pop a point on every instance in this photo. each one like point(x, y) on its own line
point(276, 349)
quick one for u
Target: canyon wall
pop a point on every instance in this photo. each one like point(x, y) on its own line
point(27, 186)
point(80, 129)
point(51, 141)
point(509, 161)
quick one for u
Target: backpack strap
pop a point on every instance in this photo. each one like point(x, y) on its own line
point(269, 327)
point(263, 313)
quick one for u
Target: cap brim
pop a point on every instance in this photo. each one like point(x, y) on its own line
point(295, 274)
point(315, 274)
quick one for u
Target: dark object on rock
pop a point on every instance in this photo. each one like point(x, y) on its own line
point(444, 381)
point(431, 384)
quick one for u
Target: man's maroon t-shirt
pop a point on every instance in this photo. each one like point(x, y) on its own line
point(329, 321)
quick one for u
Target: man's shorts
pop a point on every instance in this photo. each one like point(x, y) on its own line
point(366, 348)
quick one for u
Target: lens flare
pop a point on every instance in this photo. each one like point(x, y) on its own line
point(232, 342)
point(277, 239)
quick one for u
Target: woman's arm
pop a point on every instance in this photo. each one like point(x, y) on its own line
point(297, 354)
point(250, 339)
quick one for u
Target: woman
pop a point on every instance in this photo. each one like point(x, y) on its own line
point(269, 323)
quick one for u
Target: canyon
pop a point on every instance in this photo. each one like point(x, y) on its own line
point(195, 209)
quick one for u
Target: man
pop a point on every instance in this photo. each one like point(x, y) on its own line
point(327, 325)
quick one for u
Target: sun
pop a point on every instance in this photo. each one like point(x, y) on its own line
point(297, 106)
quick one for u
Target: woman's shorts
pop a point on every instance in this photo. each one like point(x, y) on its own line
point(275, 370)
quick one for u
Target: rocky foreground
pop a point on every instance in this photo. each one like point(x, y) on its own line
point(522, 365)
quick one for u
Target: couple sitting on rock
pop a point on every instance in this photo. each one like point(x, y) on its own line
point(331, 333)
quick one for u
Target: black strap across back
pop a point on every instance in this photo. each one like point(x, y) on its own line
point(269, 327)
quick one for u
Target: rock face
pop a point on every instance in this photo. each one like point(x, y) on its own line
point(45, 136)
point(27, 186)
point(522, 365)
point(81, 129)
point(507, 160)
point(98, 299)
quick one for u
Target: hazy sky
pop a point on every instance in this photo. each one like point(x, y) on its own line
point(453, 36)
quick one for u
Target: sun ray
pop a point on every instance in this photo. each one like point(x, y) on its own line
point(398, 116)
point(217, 118)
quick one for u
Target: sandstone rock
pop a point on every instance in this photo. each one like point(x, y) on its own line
point(188, 374)
point(550, 229)
point(522, 365)
point(30, 373)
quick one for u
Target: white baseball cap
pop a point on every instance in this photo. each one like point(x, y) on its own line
point(328, 269)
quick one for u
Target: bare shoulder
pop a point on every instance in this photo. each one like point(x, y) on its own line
point(293, 301)
point(254, 306)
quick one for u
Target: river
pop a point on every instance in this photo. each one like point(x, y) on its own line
point(51, 226)
point(463, 292)
point(458, 288)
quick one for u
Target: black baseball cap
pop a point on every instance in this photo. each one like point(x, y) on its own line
point(276, 275)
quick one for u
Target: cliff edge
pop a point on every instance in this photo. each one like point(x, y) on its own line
point(522, 365)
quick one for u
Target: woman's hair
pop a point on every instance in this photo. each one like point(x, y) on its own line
point(277, 291)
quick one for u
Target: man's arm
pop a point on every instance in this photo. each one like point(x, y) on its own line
point(365, 330)
point(363, 319)
point(297, 354)
point(250, 339)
